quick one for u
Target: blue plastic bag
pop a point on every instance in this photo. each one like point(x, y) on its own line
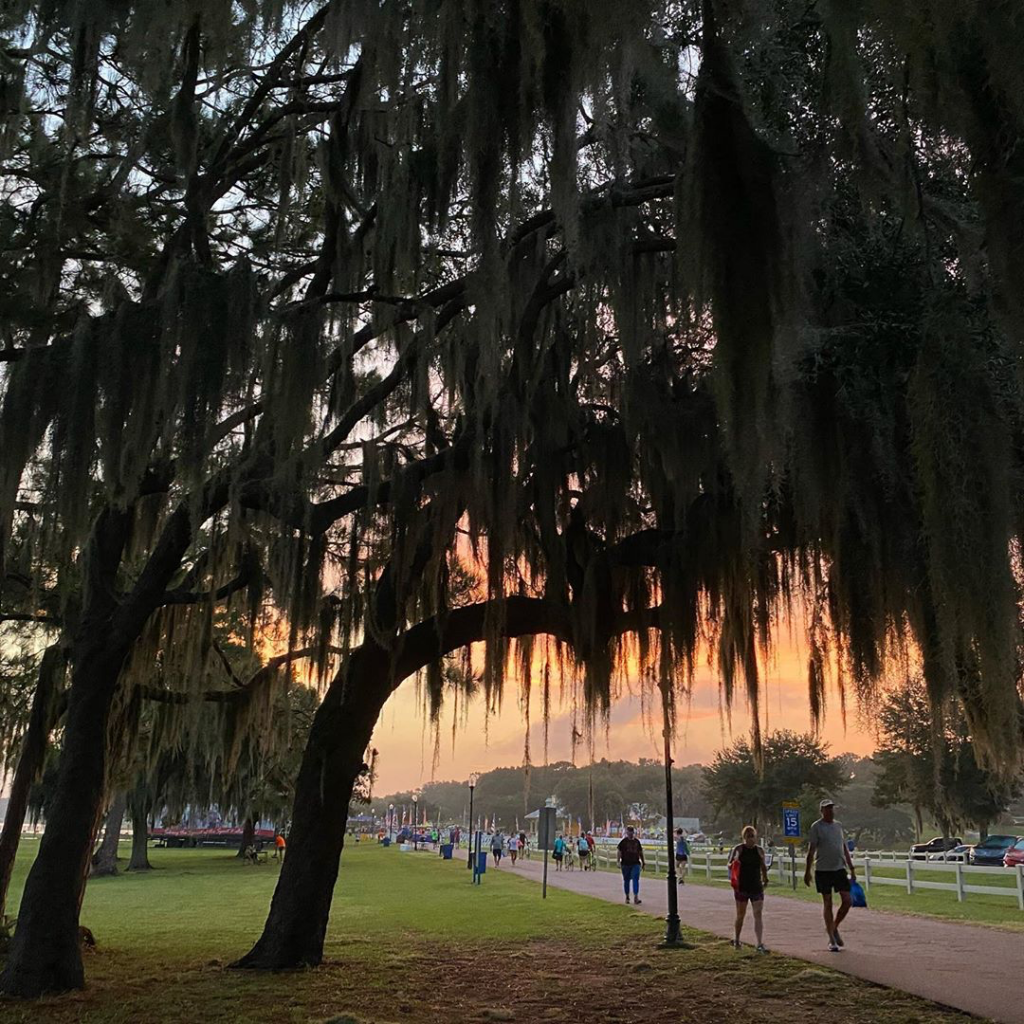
point(857, 897)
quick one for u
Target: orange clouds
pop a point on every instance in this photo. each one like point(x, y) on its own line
point(405, 739)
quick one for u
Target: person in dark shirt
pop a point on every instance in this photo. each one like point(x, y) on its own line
point(682, 856)
point(753, 877)
point(631, 862)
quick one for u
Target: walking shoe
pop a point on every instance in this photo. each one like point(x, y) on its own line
point(637, 900)
point(837, 940)
point(761, 948)
point(833, 948)
point(627, 899)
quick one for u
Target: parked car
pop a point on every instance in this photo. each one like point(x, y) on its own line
point(922, 851)
point(960, 853)
point(992, 850)
point(1014, 855)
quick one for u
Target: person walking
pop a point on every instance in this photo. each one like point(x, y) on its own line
point(558, 851)
point(583, 851)
point(753, 877)
point(279, 846)
point(682, 856)
point(630, 856)
point(497, 848)
point(513, 848)
point(828, 853)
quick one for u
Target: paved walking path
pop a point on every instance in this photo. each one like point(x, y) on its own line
point(980, 970)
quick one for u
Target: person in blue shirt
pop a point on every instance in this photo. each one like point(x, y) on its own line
point(559, 851)
point(682, 856)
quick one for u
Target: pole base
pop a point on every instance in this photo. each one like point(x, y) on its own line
point(673, 938)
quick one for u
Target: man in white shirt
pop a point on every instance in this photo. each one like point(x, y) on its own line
point(828, 852)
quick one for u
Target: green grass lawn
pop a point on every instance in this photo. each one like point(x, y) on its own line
point(994, 911)
point(412, 939)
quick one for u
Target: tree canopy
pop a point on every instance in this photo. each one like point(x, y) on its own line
point(794, 767)
point(662, 318)
point(933, 768)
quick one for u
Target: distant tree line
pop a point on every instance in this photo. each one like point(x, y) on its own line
point(921, 776)
point(613, 789)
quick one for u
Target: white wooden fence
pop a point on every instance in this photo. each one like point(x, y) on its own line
point(869, 871)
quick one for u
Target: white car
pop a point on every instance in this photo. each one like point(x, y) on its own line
point(961, 853)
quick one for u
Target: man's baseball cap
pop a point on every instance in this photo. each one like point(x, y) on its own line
point(827, 802)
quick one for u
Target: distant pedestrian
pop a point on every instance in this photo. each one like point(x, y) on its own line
point(497, 848)
point(513, 848)
point(558, 851)
point(682, 856)
point(279, 846)
point(753, 877)
point(583, 850)
point(630, 856)
point(524, 850)
point(828, 853)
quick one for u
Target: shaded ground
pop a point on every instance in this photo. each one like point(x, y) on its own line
point(412, 939)
point(545, 980)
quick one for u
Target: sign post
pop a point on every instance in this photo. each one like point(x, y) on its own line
point(791, 832)
point(478, 867)
point(546, 826)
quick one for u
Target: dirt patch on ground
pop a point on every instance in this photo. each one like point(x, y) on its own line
point(562, 983)
point(553, 982)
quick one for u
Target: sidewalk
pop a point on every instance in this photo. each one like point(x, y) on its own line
point(979, 970)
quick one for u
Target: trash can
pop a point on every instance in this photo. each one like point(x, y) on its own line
point(386, 841)
point(481, 862)
point(446, 851)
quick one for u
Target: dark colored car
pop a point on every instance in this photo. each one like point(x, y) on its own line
point(992, 850)
point(1014, 855)
point(922, 851)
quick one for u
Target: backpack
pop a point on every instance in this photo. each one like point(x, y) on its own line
point(583, 845)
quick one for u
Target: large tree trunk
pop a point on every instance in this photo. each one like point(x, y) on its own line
point(104, 860)
point(30, 763)
point(138, 808)
point(297, 924)
point(45, 953)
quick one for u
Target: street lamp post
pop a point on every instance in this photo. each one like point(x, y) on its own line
point(672, 933)
point(472, 785)
point(415, 823)
point(391, 820)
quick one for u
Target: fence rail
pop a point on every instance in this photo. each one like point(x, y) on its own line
point(869, 865)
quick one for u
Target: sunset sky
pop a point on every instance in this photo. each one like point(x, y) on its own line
point(405, 743)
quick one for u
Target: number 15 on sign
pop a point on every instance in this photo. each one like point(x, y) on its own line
point(791, 820)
